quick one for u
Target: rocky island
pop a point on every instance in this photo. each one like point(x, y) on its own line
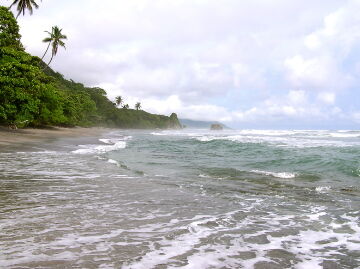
point(216, 126)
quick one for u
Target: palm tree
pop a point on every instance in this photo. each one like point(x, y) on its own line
point(126, 106)
point(22, 5)
point(49, 40)
point(57, 37)
point(137, 106)
point(118, 100)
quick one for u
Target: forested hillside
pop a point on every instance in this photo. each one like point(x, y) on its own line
point(32, 94)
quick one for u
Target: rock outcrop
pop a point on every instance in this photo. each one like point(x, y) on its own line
point(174, 122)
point(216, 127)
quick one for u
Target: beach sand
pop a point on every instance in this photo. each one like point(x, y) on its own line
point(17, 138)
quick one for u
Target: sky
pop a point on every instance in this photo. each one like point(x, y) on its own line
point(266, 64)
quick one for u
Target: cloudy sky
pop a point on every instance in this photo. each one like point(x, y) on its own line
point(249, 63)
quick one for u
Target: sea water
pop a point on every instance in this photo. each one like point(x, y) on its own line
point(183, 199)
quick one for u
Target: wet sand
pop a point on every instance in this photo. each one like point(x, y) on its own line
point(11, 138)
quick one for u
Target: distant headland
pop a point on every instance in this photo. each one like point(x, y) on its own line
point(198, 124)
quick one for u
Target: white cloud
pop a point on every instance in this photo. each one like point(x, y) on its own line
point(341, 28)
point(197, 112)
point(314, 72)
point(312, 42)
point(323, 63)
point(327, 97)
point(356, 116)
point(233, 60)
point(336, 111)
point(297, 97)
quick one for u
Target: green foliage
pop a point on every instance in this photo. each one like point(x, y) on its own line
point(31, 93)
point(26, 94)
point(9, 30)
point(56, 40)
point(103, 112)
point(22, 5)
point(138, 106)
point(118, 100)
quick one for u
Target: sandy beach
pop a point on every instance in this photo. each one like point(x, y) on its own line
point(10, 137)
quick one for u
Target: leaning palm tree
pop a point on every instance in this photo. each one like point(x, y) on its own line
point(138, 106)
point(22, 5)
point(57, 41)
point(118, 100)
point(49, 40)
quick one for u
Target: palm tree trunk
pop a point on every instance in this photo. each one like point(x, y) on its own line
point(46, 50)
point(52, 56)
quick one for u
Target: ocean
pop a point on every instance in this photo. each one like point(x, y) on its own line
point(183, 199)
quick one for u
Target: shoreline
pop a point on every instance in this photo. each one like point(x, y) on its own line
point(11, 138)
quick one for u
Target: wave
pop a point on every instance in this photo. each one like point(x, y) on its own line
point(228, 173)
point(113, 162)
point(114, 140)
point(274, 174)
point(96, 149)
point(277, 138)
point(270, 132)
point(322, 189)
point(157, 133)
point(288, 142)
point(344, 135)
point(273, 237)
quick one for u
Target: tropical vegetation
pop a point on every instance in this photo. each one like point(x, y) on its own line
point(55, 40)
point(138, 106)
point(49, 40)
point(32, 94)
point(118, 100)
point(23, 5)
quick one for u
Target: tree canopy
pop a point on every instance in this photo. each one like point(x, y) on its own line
point(56, 40)
point(9, 30)
point(23, 5)
point(32, 94)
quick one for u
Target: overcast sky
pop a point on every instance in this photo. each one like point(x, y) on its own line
point(249, 63)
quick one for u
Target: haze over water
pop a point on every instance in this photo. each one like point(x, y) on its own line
point(183, 199)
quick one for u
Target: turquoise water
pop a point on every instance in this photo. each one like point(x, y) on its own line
point(183, 199)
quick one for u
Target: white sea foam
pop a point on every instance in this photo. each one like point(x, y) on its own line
point(111, 141)
point(206, 138)
point(204, 176)
point(274, 174)
point(106, 141)
point(45, 152)
point(158, 133)
point(113, 162)
point(344, 135)
point(278, 138)
point(281, 141)
point(269, 132)
point(322, 189)
point(171, 248)
point(93, 149)
point(305, 244)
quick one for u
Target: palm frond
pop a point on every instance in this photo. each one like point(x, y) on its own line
point(46, 40)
